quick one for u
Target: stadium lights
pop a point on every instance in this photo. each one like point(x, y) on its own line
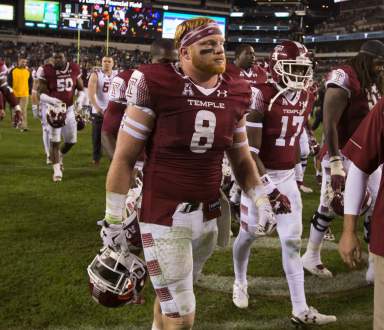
point(236, 14)
point(282, 14)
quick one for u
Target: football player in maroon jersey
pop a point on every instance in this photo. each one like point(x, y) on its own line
point(365, 150)
point(273, 129)
point(162, 51)
point(9, 96)
point(351, 91)
point(245, 67)
point(57, 85)
point(186, 115)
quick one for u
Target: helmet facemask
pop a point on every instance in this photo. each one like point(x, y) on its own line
point(295, 74)
point(118, 276)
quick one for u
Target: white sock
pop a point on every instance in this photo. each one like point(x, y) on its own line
point(313, 253)
point(241, 252)
point(56, 168)
point(46, 141)
point(304, 164)
point(297, 293)
point(294, 272)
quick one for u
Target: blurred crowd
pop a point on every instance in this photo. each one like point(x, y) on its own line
point(364, 16)
point(36, 53)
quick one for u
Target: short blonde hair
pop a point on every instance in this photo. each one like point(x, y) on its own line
point(183, 28)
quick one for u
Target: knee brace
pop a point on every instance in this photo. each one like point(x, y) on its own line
point(315, 221)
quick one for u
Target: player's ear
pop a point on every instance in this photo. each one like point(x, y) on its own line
point(185, 53)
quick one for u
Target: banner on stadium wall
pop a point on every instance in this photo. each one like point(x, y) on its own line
point(128, 4)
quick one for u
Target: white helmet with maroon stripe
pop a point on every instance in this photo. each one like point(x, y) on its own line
point(291, 64)
point(116, 278)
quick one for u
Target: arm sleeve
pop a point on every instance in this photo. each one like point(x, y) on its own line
point(257, 100)
point(366, 148)
point(40, 74)
point(339, 78)
point(355, 188)
point(137, 92)
point(116, 92)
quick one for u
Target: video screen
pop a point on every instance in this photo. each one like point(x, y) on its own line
point(172, 19)
point(124, 21)
point(76, 16)
point(7, 12)
point(41, 14)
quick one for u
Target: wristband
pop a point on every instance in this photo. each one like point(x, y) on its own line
point(269, 186)
point(336, 165)
point(114, 207)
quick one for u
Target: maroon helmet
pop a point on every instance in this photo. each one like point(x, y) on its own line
point(290, 63)
point(116, 278)
point(56, 115)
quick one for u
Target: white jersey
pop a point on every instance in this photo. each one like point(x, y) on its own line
point(103, 83)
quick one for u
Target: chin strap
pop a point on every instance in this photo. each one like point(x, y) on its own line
point(281, 91)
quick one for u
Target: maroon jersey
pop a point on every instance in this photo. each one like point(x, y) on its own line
point(254, 75)
point(366, 150)
point(360, 102)
point(282, 125)
point(117, 103)
point(4, 88)
point(193, 128)
point(61, 84)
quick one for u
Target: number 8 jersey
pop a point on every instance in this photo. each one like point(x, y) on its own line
point(61, 83)
point(193, 128)
point(282, 125)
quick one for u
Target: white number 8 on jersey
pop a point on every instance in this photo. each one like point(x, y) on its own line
point(205, 124)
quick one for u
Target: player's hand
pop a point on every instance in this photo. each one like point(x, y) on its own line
point(350, 248)
point(111, 234)
point(2, 114)
point(313, 145)
point(36, 111)
point(280, 203)
point(267, 220)
point(337, 174)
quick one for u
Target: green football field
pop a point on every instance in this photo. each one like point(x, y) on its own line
point(48, 235)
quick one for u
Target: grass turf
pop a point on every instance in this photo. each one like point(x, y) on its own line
point(48, 236)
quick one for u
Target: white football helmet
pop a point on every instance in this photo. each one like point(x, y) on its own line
point(56, 114)
point(291, 64)
point(116, 278)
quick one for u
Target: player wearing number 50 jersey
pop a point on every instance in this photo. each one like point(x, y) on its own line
point(273, 129)
point(57, 85)
point(98, 87)
point(186, 116)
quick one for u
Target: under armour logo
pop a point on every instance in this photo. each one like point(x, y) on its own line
point(285, 102)
point(188, 91)
point(222, 93)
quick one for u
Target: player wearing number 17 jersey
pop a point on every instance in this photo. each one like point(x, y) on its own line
point(57, 84)
point(273, 129)
point(186, 116)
